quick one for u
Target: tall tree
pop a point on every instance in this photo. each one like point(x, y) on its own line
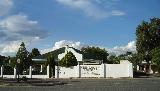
point(148, 38)
point(95, 53)
point(68, 60)
point(22, 54)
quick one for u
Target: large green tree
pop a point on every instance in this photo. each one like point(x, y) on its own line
point(95, 53)
point(68, 60)
point(147, 38)
point(22, 54)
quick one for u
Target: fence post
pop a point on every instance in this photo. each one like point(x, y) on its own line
point(48, 71)
point(15, 72)
point(2, 71)
point(30, 71)
point(103, 71)
point(79, 70)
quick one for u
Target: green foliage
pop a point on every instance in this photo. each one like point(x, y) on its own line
point(155, 53)
point(51, 62)
point(134, 60)
point(2, 59)
point(113, 60)
point(35, 52)
point(13, 61)
point(95, 53)
point(148, 38)
point(116, 59)
point(68, 60)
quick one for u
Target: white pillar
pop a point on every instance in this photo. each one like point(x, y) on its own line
point(79, 70)
point(48, 71)
point(56, 72)
point(2, 71)
point(30, 71)
point(15, 72)
point(103, 71)
point(41, 68)
point(137, 67)
point(130, 71)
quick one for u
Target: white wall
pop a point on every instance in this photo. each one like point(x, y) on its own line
point(118, 70)
point(103, 70)
point(90, 70)
point(67, 72)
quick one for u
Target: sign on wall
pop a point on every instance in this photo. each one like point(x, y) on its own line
point(90, 70)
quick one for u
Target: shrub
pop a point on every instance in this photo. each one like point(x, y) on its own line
point(68, 60)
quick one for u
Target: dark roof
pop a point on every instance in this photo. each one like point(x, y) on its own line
point(55, 53)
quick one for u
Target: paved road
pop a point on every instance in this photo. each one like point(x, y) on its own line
point(138, 84)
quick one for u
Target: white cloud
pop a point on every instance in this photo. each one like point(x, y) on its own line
point(15, 29)
point(17, 23)
point(5, 6)
point(117, 50)
point(9, 48)
point(117, 13)
point(63, 43)
point(90, 8)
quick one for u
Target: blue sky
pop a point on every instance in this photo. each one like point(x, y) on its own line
point(42, 23)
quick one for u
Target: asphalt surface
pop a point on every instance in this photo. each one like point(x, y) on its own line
point(135, 84)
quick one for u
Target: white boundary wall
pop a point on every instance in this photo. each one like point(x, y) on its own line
point(98, 71)
point(28, 76)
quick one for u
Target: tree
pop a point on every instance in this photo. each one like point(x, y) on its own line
point(156, 56)
point(134, 60)
point(35, 52)
point(2, 59)
point(51, 62)
point(148, 37)
point(68, 60)
point(22, 54)
point(95, 53)
point(113, 60)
